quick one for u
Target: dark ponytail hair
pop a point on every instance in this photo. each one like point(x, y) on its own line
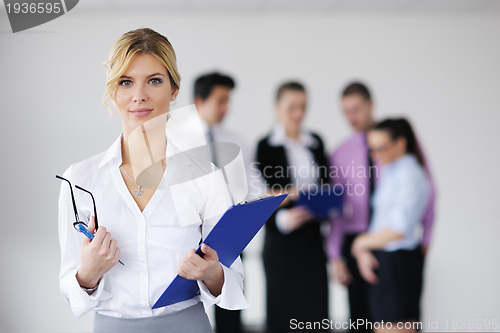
point(401, 128)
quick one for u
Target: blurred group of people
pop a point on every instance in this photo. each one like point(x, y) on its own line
point(376, 247)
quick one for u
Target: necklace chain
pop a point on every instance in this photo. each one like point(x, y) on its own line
point(139, 191)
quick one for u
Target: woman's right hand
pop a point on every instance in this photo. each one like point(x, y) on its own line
point(98, 256)
point(367, 264)
point(297, 216)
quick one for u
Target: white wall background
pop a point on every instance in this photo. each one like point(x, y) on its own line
point(441, 69)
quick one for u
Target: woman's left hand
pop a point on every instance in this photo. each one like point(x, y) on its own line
point(206, 269)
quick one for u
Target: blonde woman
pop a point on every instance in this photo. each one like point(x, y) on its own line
point(138, 223)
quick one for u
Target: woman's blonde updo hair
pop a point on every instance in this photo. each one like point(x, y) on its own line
point(134, 42)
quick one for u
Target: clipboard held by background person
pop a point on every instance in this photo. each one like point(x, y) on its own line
point(322, 203)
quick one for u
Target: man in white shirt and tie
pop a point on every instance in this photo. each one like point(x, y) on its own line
point(211, 98)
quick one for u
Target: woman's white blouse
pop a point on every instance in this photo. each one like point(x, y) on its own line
point(400, 200)
point(301, 166)
point(151, 242)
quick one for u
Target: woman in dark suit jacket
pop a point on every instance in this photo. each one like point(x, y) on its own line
point(294, 259)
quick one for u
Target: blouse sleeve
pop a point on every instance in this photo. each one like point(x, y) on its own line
point(410, 202)
point(70, 243)
point(217, 202)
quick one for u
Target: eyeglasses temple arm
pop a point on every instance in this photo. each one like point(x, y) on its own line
point(93, 201)
point(72, 197)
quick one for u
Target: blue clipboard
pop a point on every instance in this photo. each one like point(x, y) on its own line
point(321, 203)
point(229, 237)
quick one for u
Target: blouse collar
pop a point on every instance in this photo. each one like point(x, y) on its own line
point(403, 160)
point(278, 137)
point(114, 153)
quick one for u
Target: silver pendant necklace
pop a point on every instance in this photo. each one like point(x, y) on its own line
point(139, 191)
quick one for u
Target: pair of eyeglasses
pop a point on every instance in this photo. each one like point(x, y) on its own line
point(381, 149)
point(80, 225)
